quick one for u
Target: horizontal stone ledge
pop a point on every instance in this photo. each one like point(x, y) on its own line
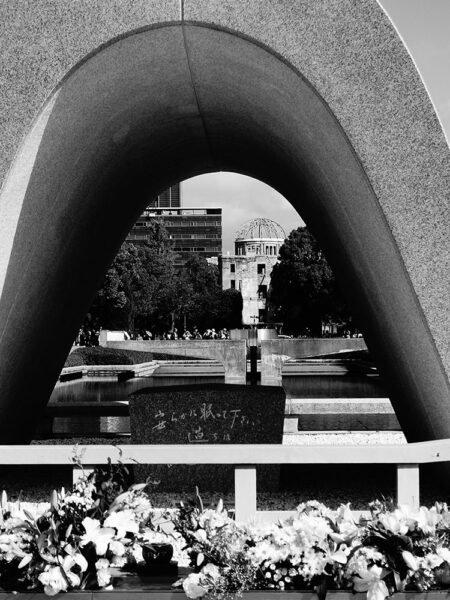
point(341, 422)
point(298, 406)
point(238, 454)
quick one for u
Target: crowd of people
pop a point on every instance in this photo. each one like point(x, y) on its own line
point(208, 334)
point(88, 336)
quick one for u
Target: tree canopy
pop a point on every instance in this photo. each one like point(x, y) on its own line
point(303, 289)
point(138, 282)
point(142, 289)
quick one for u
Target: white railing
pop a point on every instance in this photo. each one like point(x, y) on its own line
point(407, 457)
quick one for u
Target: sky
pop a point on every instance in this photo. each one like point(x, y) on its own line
point(424, 26)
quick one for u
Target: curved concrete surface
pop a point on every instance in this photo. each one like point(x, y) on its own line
point(182, 98)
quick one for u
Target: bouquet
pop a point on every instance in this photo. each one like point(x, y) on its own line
point(81, 541)
point(395, 549)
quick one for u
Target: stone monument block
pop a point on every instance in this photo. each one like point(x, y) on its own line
point(206, 414)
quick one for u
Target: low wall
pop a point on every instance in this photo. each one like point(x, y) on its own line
point(261, 334)
point(274, 353)
point(232, 354)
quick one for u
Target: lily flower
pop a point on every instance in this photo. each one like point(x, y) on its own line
point(98, 535)
point(124, 521)
point(58, 579)
point(371, 581)
point(427, 519)
point(411, 561)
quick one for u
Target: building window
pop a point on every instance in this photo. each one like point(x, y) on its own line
point(232, 268)
point(233, 284)
point(261, 269)
point(240, 285)
point(262, 292)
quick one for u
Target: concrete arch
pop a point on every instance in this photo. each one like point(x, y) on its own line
point(258, 88)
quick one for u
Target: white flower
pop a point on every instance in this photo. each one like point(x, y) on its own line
point(73, 559)
point(214, 519)
point(200, 535)
point(124, 521)
point(410, 560)
point(103, 577)
point(117, 548)
point(311, 529)
point(371, 581)
point(103, 572)
point(444, 553)
point(99, 536)
point(102, 563)
point(431, 561)
point(427, 519)
point(55, 580)
point(136, 553)
point(408, 515)
point(211, 571)
point(394, 523)
point(192, 587)
point(338, 556)
point(119, 561)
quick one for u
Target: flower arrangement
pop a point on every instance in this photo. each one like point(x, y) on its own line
point(81, 540)
point(102, 526)
point(217, 550)
point(396, 549)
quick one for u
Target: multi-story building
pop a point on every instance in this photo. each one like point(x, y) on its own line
point(170, 198)
point(193, 230)
point(257, 245)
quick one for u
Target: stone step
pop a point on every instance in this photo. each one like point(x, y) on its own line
point(299, 406)
point(341, 422)
point(342, 414)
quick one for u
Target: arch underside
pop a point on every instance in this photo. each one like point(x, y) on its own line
point(163, 105)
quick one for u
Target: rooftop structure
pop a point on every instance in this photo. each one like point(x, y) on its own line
point(170, 198)
point(260, 229)
point(259, 237)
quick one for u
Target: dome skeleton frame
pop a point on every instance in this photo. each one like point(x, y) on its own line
point(260, 228)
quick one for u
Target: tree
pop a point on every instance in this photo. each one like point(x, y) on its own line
point(203, 280)
point(230, 309)
point(303, 290)
point(143, 290)
point(137, 284)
